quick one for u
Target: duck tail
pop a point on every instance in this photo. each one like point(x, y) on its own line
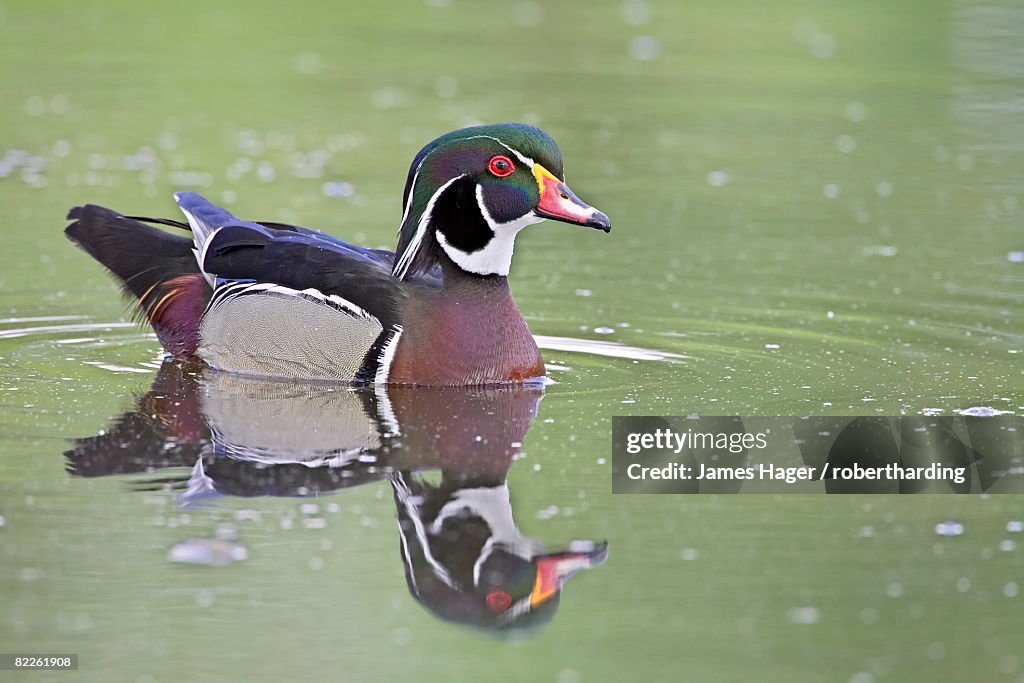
point(154, 267)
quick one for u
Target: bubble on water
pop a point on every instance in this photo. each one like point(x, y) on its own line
point(2, 521)
point(446, 87)
point(1015, 256)
point(1014, 526)
point(265, 172)
point(949, 528)
point(309, 508)
point(822, 45)
point(569, 676)
point(528, 13)
point(885, 250)
point(856, 112)
point(963, 584)
point(604, 330)
point(387, 98)
point(718, 178)
point(205, 597)
point(636, 12)
point(644, 48)
point(846, 144)
point(689, 554)
point(59, 104)
point(247, 515)
point(316, 563)
point(868, 615)
point(583, 292)
point(226, 532)
point(894, 589)
point(830, 315)
point(1007, 546)
point(30, 574)
point(338, 189)
point(862, 677)
point(866, 531)
point(314, 523)
point(548, 512)
point(35, 106)
point(61, 148)
point(831, 191)
point(168, 140)
point(1011, 589)
point(771, 346)
point(884, 189)
point(286, 523)
point(207, 551)
point(803, 615)
point(308, 63)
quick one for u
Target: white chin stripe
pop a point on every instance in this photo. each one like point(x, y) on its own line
point(495, 258)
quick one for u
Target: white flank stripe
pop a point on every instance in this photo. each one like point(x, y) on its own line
point(387, 357)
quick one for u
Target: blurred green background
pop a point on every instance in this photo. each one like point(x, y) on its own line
point(816, 204)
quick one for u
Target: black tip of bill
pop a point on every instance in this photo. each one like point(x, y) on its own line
point(600, 221)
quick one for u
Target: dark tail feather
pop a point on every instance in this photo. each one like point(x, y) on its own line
point(140, 255)
point(155, 267)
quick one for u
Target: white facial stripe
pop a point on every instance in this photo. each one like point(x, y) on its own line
point(402, 267)
point(519, 155)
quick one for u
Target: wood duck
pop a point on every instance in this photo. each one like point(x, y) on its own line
point(271, 299)
point(464, 557)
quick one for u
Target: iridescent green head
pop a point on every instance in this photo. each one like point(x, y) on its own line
point(469, 193)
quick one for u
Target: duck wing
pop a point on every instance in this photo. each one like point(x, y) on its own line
point(292, 301)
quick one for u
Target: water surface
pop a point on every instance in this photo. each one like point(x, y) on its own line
point(816, 210)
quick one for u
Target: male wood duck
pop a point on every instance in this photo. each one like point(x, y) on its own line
point(271, 299)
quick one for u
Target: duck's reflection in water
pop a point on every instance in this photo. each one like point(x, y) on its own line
point(465, 559)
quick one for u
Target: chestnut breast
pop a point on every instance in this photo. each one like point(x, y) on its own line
point(465, 335)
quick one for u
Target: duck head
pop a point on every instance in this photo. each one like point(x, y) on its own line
point(471, 191)
point(467, 562)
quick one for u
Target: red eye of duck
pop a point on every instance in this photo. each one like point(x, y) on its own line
point(501, 166)
point(498, 601)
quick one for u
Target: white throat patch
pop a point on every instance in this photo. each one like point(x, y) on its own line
point(495, 258)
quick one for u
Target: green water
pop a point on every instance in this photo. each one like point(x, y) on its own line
point(817, 206)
